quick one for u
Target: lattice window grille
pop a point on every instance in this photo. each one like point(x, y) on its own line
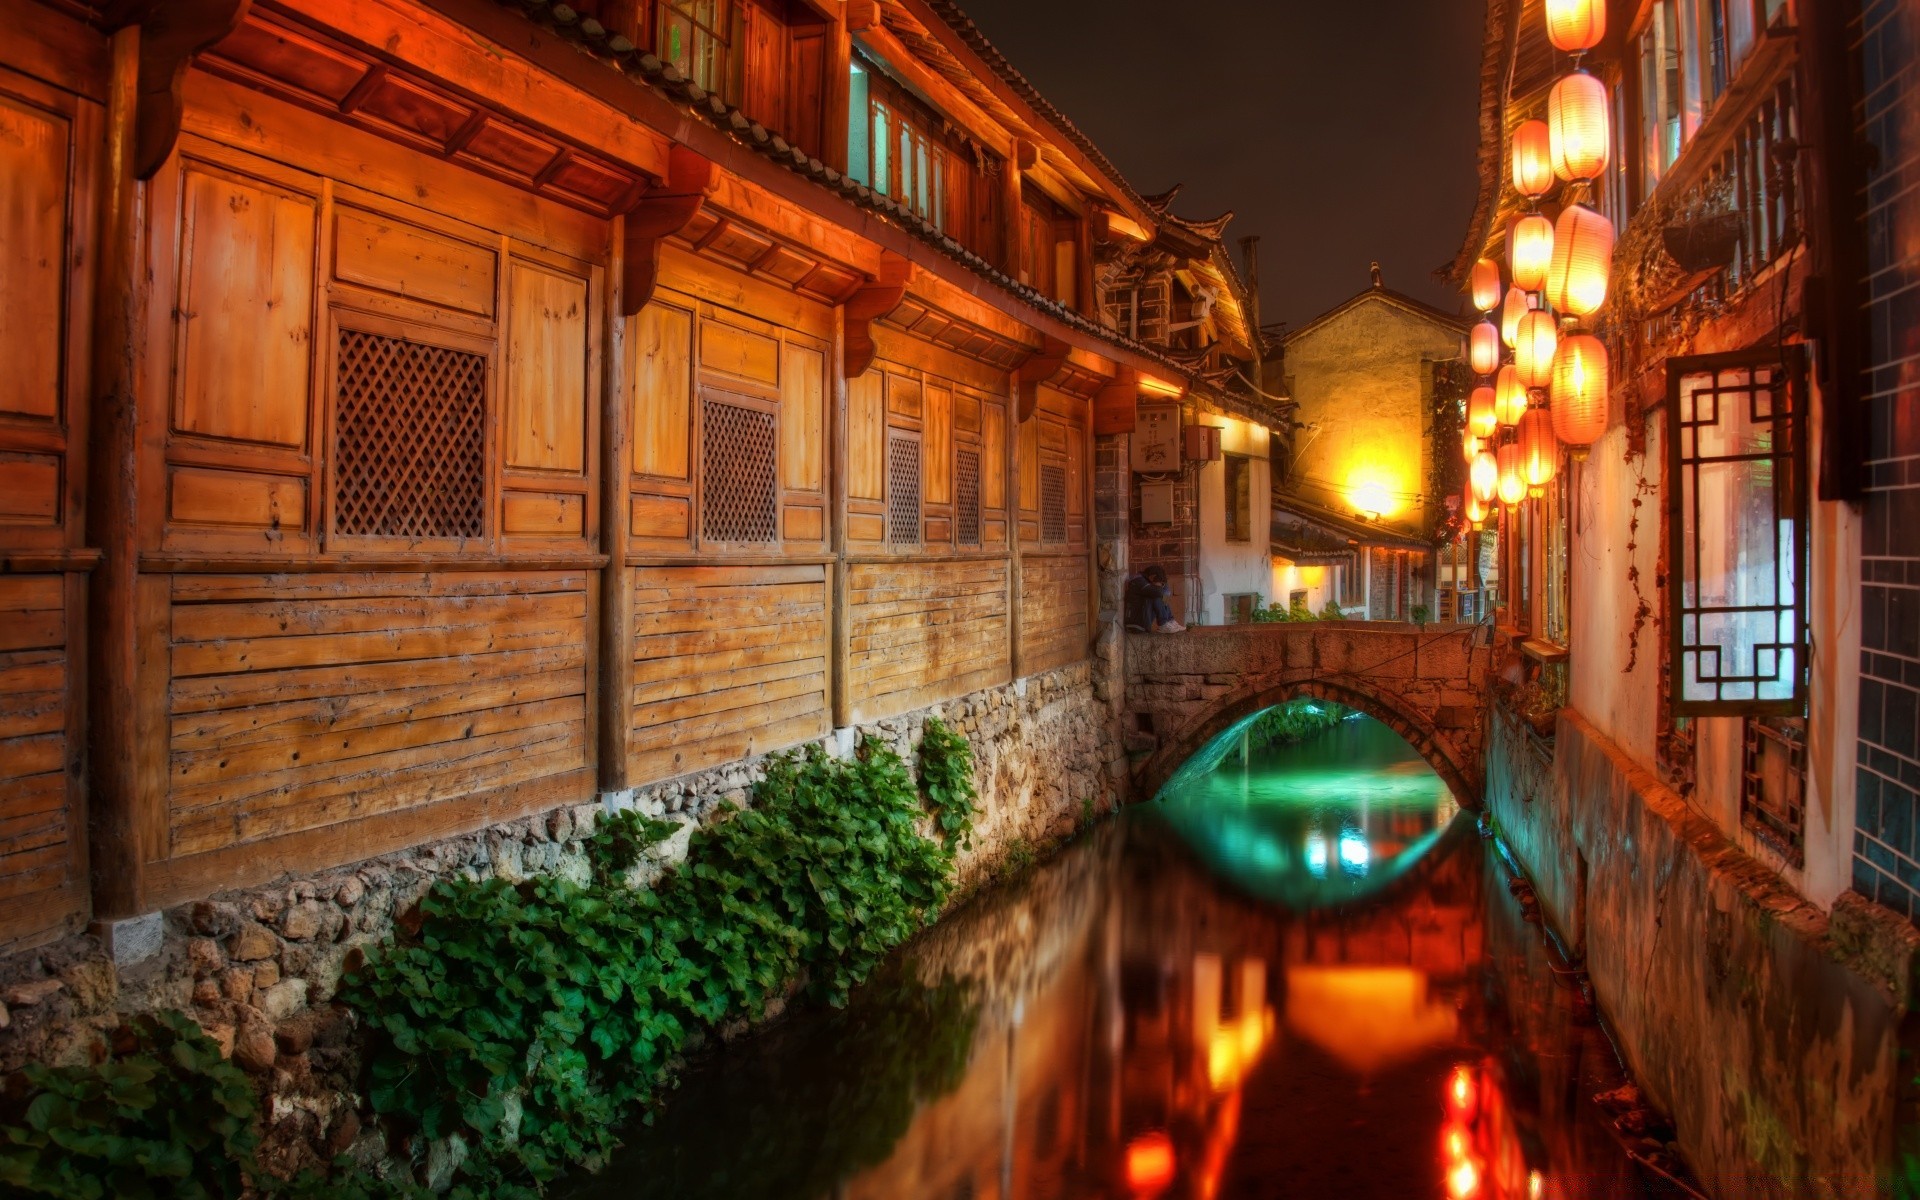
point(409, 439)
point(1774, 784)
point(903, 490)
point(966, 516)
point(739, 491)
point(1053, 504)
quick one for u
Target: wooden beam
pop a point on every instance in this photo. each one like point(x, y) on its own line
point(1117, 405)
point(615, 643)
point(1044, 367)
point(864, 307)
point(657, 217)
point(115, 786)
point(171, 33)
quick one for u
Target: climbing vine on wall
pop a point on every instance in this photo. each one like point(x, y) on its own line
point(1447, 425)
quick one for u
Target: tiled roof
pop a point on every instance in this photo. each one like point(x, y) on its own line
point(619, 53)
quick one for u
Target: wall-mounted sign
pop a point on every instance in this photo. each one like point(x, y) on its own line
point(1156, 438)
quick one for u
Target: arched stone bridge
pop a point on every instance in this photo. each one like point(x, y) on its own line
point(1429, 685)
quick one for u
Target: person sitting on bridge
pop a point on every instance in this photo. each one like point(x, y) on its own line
point(1147, 607)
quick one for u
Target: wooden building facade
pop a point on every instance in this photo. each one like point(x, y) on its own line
point(418, 414)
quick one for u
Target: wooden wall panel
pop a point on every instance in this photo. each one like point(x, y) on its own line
point(1053, 595)
point(546, 418)
point(42, 871)
point(661, 368)
point(727, 662)
point(803, 418)
point(937, 443)
point(924, 632)
point(302, 701)
point(866, 437)
point(34, 191)
point(388, 255)
point(247, 265)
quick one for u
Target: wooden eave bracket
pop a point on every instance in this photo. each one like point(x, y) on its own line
point(867, 305)
point(171, 33)
point(1044, 367)
point(1117, 405)
point(659, 215)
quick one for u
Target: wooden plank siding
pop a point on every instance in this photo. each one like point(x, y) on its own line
point(925, 632)
point(42, 831)
point(1053, 630)
point(302, 701)
point(727, 662)
point(52, 88)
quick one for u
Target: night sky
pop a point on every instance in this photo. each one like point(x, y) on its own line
point(1339, 131)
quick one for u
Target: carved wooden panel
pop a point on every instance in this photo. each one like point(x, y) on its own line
point(409, 439)
point(738, 480)
point(903, 489)
point(1053, 503)
point(966, 499)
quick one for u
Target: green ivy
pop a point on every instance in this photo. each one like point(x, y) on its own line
point(1296, 721)
point(620, 838)
point(946, 776)
point(529, 1020)
point(163, 1116)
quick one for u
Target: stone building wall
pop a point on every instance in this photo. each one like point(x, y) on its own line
point(259, 969)
point(1775, 1034)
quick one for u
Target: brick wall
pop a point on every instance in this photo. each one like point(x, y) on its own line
point(1887, 838)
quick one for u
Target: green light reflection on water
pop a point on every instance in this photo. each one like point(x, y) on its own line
point(1321, 824)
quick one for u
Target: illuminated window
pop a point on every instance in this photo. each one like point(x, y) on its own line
point(697, 37)
point(1689, 52)
point(1239, 497)
point(902, 149)
point(1737, 520)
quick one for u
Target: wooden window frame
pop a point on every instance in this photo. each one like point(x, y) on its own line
point(1779, 823)
point(1789, 475)
point(703, 395)
point(724, 41)
point(1241, 530)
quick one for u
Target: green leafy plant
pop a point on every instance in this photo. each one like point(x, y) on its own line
point(528, 1020)
point(1421, 614)
point(1331, 611)
point(946, 777)
point(1296, 721)
point(163, 1116)
point(620, 838)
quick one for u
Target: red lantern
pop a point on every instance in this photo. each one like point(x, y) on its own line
point(1480, 412)
point(1469, 445)
point(1476, 508)
point(1509, 396)
point(1483, 476)
point(1532, 159)
point(1579, 393)
point(1485, 285)
point(1530, 251)
point(1577, 127)
point(1576, 26)
point(1533, 348)
point(1513, 485)
point(1483, 348)
point(1582, 261)
point(1539, 451)
point(1517, 304)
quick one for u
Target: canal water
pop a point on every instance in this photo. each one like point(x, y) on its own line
point(1299, 973)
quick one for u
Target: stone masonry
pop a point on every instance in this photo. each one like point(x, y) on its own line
point(1428, 684)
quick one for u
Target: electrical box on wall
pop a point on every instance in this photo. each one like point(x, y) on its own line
point(1156, 503)
point(1156, 438)
point(1202, 443)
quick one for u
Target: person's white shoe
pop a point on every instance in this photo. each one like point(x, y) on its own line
point(1172, 627)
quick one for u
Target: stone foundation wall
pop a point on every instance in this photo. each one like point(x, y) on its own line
point(1771, 1032)
point(259, 968)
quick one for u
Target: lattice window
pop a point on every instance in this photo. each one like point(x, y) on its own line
point(903, 490)
point(1053, 504)
point(1774, 777)
point(966, 515)
point(1737, 519)
point(409, 439)
point(738, 491)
